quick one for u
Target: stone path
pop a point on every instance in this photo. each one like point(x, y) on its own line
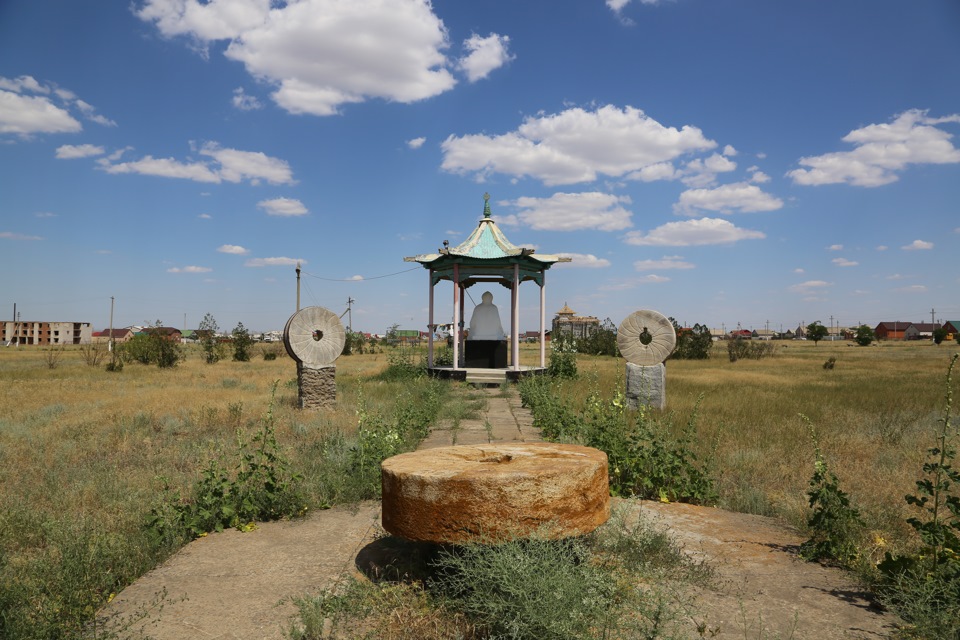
point(233, 586)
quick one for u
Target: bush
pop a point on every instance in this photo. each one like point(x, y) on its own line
point(740, 349)
point(692, 344)
point(602, 342)
point(563, 358)
point(242, 343)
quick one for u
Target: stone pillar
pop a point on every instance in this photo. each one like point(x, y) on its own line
point(646, 385)
point(317, 386)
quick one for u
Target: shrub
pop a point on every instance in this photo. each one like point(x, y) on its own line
point(692, 344)
point(209, 342)
point(242, 343)
point(740, 349)
point(563, 358)
point(864, 335)
point(836, 525)
point(602, 342)
point(93, 353)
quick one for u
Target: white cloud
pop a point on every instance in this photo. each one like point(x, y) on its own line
point(416, 143)
point(234, 249)
point(728, 198)
point(759, 177)
point(809, 287)
point(273, 262)
point(799, 270)
point(704, 231)
point(574, 211)
point(896, 276)
point(190, 269)
point(23, 83)
point(843, 262)
point(356, 278)
point(918, 245)
point(90, 113)
point(26, 115)
point(485, 55)
point(9, 235)
point(44, 214)
point(582, 261)
point(321, 54)
point(703, 172)
point(236, 165)
point(882, 247)
point(914, 288)
point(881, 151)
point(205, 216)
point(653, 279)
point(617, 5)
point(70, 151)
point(728, 150)
point(165, 168)
point(835, 247)
point(244, 101)
point(667, 262)
point(283, 207)
point(573, 146)
point(231, 165)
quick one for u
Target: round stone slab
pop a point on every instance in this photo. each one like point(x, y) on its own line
point(314, 336)
point(485, 493)
point(646, 338)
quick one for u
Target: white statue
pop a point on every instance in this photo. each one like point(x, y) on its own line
point(485, 322)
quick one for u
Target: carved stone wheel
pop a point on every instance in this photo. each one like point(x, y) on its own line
point(646, 338)
point(314, 336)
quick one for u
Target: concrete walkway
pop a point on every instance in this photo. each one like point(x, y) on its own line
point(239, 586)
point(502, 420)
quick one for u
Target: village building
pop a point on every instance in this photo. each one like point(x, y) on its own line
point(46, 333)
point(568, 324)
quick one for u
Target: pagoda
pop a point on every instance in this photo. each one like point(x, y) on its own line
point(486, 256)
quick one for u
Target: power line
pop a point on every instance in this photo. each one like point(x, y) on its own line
point(362, 279)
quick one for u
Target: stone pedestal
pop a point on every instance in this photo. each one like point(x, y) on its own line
point(317, 386)
point(646, 385)
point(486, 493)
point(485, 354)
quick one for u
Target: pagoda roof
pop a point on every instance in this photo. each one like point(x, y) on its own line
point(485, 244)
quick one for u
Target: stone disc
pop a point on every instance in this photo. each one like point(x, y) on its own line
point(646, 326)
point(314, 336)
point(486, 493)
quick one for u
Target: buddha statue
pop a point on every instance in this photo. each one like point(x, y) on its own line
point(485, 322)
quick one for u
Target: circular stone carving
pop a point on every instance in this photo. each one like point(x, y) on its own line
point(495, 492)
point(314, 336)
point(646, 338)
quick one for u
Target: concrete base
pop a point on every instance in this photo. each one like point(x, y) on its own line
point(485, 354)
point(646, 386)
point(317, 387)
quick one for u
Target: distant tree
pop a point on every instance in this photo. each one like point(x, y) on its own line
point(692, 344)
point(391, 337)
point(155, 345)
point(602, 342)
point(242, 342)
point(864, 335)
point(956, 337)
point(212, 349)
point(353, 343)
point(816, 332)
point(939, 335)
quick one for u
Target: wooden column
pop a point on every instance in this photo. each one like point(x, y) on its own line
point(515, 318)
point(456, 316)
point(543, 319)
point(462, 338)
point(430, 326)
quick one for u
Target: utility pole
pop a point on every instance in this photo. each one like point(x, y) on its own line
point(298, 285)
point(933, 324)
point(15, 324)
point(350, 301)
point(831, 325)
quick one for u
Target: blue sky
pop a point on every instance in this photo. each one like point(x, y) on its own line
point(723, 162)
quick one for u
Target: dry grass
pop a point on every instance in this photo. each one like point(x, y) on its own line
point(875, 413)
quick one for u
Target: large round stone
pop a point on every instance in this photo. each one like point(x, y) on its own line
point(495, 492)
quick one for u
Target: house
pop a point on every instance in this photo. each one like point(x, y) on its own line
point(891, 330)
point(921, 330)
point(170, 333)
point(763, 334)
point(45, 333)
point(742, 334)
point(953, 329)
point(119, 335)
point(568, 323)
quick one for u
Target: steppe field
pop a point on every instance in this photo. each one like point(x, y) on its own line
point(86, 453)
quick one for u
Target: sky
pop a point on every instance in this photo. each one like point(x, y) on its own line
point(724, 162)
